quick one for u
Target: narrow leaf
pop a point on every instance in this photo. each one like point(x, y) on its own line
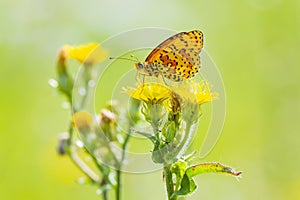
point(211, 167)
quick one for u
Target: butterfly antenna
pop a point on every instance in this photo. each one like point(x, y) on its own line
point(136, 58)
point(120, 58)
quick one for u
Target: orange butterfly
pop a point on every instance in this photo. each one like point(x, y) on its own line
point(177, 58)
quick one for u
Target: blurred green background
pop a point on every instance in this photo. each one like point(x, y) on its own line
point(254, 43)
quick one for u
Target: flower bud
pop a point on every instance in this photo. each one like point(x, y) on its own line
point(107, 123)
point(134, 109)
point(63, 143)
point(83, 121)
point(169, 131)
point(65, 81)
point(190, 111)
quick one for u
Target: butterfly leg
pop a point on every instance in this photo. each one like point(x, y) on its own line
point(138, 78)
point(163, 78)
point(143, 79)
point(143, 83)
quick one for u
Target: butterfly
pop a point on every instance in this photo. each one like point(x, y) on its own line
point(177, 58)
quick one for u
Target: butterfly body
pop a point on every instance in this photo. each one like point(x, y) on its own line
point(156, 70)
point(176, 59)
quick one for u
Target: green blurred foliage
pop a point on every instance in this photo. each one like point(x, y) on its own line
point(254, 43)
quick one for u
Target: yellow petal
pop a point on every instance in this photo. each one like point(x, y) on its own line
point(149, 93)
point(89, 54)
point(196, 92)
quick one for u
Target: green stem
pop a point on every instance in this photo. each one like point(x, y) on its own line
point(104, 195)
point(104, 192)
point(167, 168)
point(186, 135)
point(156, 131)
point(125, 145)
point(119, 168)
point(83, 167)
point(87, 78)
point(118, 186)
point(184, 140)
point(69, 141)
point(169, 182)
point(71, 151)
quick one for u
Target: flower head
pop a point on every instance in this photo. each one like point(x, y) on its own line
point(88, 54)
point(196, 92)
point(82, 121)
point(202, 91)
point(152, 93)
point(188, 96)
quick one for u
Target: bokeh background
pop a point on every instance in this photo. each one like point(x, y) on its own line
point(254, 43)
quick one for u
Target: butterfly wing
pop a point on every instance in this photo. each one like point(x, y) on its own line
point(178, 56)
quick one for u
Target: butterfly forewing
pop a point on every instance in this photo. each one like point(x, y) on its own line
point(178, 56)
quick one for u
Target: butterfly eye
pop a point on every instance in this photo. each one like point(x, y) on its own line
point(140, 65)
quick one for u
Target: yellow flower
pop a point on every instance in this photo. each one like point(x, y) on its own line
point(190, 95)
point(88, 54)
point(82, 121)
point(153, 93)
point(203, 93)
point(199, 92)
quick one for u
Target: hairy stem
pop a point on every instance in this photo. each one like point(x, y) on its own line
point(169, 182)
point(181, 148)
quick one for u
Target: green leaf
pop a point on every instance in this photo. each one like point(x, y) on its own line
point(178, 169)
point(211, 167)
point(188, 185)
